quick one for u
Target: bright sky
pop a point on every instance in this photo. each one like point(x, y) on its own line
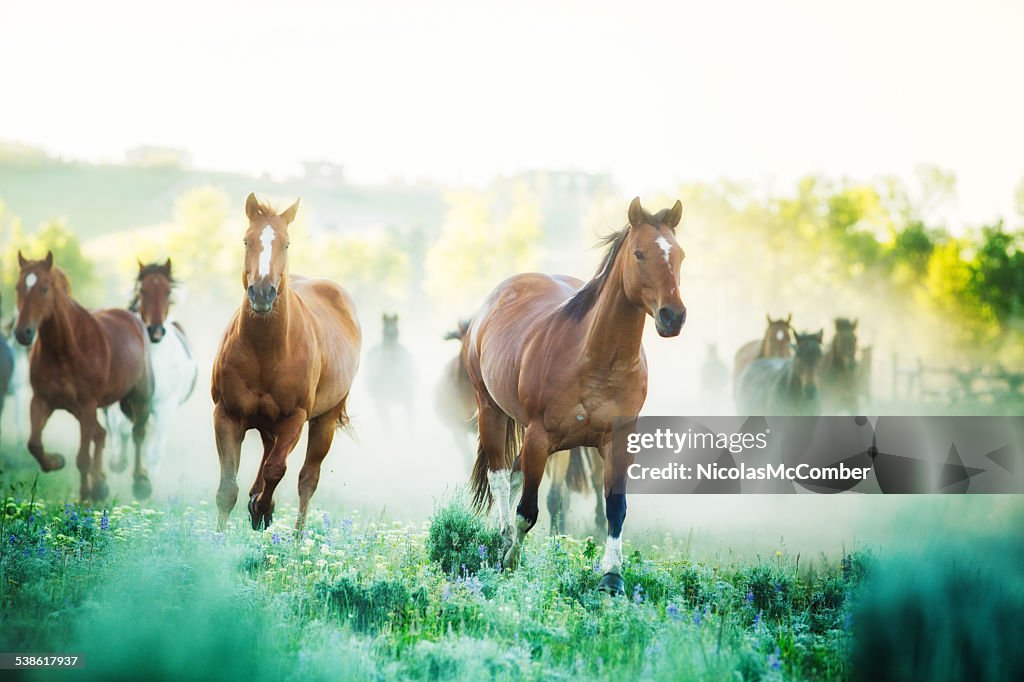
point(653, 92)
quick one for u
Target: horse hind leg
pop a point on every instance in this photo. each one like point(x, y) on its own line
point(321, 435)
point(490, 479)
point(597, 483)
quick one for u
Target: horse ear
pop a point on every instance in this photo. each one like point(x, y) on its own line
point(789, 319)
point(636, 213)
point(674, 216)
point(167, 266)
point(820, 336)
point(21, 259)
point(48, 261)
point(768, 318)
point(289, 213)
point(853, 325)
point(141, 266)
point(252, 207)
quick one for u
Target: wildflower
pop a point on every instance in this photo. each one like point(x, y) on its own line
point(757, 620)
point(474, 585)
point(346, 525)
point(750, 597)
point(778, 587)
point(482, 552)
point(672, 611)
point(696, 618)
point(638, 597)
point(775, 659)
point(105, 520)
point(31, 519)
point(327, 522)
point(275, 538)
point(13, 538)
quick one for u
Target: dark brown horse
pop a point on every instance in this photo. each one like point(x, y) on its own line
point(555, 361)
point(288, 357)
point(783, 386)
point(840, 376)
point(776, 343)
point(81, 361)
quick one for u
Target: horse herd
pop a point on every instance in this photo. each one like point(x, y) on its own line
point(546, 364)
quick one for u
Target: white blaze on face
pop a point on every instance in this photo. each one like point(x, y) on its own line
point(612, 561)
point(666, 247)
point(266, 250)
point(30, 280)
point(779, 335)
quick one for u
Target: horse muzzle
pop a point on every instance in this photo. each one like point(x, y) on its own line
point(25, 335)
point(156, 332)
point(669, 321)
point(262, 297)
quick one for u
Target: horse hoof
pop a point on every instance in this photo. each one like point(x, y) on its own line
point(259, 521)
point(100, 490)
point(54, 462)
point(142, 488)
point(119, 465)
point(613, 584)
point(510, 559)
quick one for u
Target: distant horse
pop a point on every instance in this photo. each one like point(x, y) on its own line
point(553, 362)
point(714, 375)
point(82, 361)
point(454, 398)
point(288, 356)
point(783, 386)
point(776, 343)
point(840, 376)
point(391, 374)
point(174, 365)
point(569, 470)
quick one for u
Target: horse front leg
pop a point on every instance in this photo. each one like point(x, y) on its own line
point(268, 439)
point(40, 412)
point(615, 512)
point(597, 484)
point(287, 432)
point(99, 476)
point(141, 486)
point(534, 457)
point(229, 432)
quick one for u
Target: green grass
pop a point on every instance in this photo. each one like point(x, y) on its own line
point(155, 593)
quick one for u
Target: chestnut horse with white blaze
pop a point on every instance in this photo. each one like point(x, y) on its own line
point(776, 343)
point(81, 361)
point(554, 361)
point(288, 357)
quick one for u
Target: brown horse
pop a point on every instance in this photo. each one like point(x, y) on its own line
point(288, 357)
point(554, 362)
point(776, 343)
point(80, 362)
point(840, 375)
point(567, 473)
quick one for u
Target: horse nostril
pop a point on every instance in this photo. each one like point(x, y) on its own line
point(251, 291)
point(665, 316)
point(273, 293)
point(682, 317)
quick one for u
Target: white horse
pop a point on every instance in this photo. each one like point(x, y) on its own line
point(174, 369)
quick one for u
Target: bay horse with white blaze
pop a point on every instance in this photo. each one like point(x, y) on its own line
point(288, 357)
point(80, 362)
point(776, 343)
point(174, 365)
point(554, 361)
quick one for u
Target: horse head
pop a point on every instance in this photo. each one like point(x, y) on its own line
point(651, 264)
point(153, 288)
point(38, 283)
point(806, 361)
point(266, 253)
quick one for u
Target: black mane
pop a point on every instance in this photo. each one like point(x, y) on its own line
point(584, 299)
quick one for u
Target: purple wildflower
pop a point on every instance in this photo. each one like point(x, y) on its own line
point(696, 618)
point(327, 522)
point(474, 585)
point(346, 524)
point(275, 538)
point(638, 594)
point(105, 520)
point(775, 659)
point(13, 538)
point(672, 611)
point(750, 596)
point(482, 551)
point(757, 620)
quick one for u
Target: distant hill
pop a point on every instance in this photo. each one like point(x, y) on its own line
point(101, 198)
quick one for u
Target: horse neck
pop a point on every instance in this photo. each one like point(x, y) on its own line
point(68, 324)
point(268, 333)
point(615, 326)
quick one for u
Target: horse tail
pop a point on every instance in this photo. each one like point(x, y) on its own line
point(479, 485)
point(576, 474)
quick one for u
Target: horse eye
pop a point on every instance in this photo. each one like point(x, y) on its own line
point(639, 254)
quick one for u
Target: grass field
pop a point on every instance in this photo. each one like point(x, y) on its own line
point(155, 593)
